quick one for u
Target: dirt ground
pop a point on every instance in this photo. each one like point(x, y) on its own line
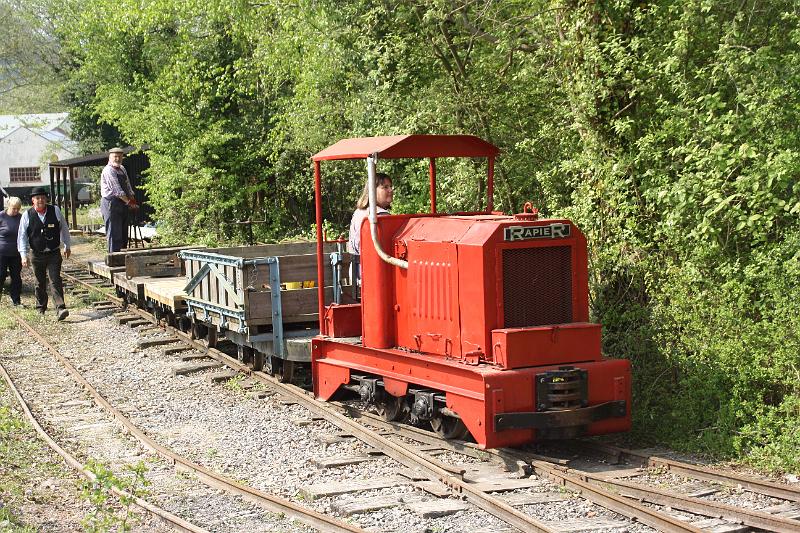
point(88, 248)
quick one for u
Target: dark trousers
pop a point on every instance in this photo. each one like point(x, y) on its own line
point(115, 215)
point(12, 264)
point(44, 265)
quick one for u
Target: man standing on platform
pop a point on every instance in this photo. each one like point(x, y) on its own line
point(43, 230)
point(117, 197)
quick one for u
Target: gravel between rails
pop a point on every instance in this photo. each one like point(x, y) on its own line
point(264, 443)
point(89, 432)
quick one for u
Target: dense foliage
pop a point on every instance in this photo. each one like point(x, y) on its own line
point(30, 63)
point(667, 130)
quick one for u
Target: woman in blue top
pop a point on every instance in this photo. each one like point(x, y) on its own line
point(10, 260)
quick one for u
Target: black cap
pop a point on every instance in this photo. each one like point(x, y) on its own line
point(38, 191)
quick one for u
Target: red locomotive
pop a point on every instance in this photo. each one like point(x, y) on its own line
point(477, 323)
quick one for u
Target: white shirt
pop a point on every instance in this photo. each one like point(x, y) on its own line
point(354, 242)
point(23, 246)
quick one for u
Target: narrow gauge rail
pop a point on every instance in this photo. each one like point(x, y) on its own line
point(588, 483)
point(593, 485)
point(165, 516)
point(270, 502)
point(666, 498)
point(762, 486)
point(582, 481)
point(451, 477)
point(402, 454)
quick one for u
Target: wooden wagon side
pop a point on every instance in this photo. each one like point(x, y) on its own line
point(262, 296)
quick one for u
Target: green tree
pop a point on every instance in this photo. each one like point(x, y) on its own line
point(30, 68)
point(665, 130)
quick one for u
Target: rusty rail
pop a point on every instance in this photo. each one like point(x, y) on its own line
point(769, 488)
point(272, 503)
point(175, 521)
point(448, 476)
point(437, 470)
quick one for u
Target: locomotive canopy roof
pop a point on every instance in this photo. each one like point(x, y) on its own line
point(399, 146)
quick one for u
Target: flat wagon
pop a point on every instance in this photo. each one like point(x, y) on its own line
point(151, 279)
point(263, 299)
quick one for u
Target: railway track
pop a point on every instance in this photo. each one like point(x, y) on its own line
point(211, 479)
point(173, 521)
point(687, 487)
point(409, 458)
point(778, 503)
point(648, 506)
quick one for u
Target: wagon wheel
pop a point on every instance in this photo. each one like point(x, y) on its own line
point(449, 427)
point(244, 354)
point(199, 331)
point(211, 338)
point(392, 408)
point(282, 369)
point(258, 360)
point(184, 324)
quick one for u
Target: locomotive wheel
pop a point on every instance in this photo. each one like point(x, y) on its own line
point(449, 427)
point(282, 369)
point(392, 408)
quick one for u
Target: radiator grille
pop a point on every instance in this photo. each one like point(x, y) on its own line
point(537, 286)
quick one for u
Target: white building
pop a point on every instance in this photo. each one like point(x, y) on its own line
point(27, 144)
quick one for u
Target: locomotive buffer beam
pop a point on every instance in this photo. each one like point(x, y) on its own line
point(581, 416)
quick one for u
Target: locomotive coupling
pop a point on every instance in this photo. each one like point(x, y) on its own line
point(562, 406)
